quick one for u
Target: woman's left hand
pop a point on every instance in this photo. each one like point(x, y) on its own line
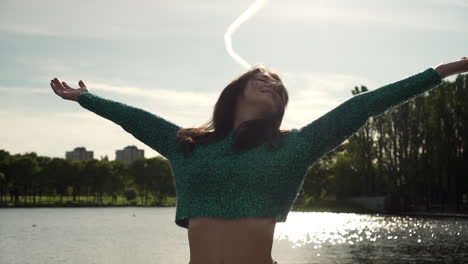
point(451, 68)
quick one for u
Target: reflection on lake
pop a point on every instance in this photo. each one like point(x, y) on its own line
point(149, 235)
point(353, 238)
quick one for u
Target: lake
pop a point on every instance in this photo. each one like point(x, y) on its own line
point(149, 235)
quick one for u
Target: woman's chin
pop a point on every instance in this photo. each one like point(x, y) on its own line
point(268, 106)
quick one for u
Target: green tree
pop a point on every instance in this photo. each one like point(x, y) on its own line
point(142, 178)
point(5, 179)
point(116, 184)
point(161, 183)
point(41, 183)
point(23, 168)
point(89, 175)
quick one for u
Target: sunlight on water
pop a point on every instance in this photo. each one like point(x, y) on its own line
point(319, 229)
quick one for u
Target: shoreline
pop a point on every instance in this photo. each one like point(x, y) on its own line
point(299, 209)
point(435, 214)
point(80, 205)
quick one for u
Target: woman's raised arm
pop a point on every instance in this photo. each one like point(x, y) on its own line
point(330, 130)
point(153, 130)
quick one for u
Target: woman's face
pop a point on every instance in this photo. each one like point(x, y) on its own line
point(260, 91)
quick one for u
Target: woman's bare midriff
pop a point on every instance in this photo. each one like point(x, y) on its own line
point(231, 240)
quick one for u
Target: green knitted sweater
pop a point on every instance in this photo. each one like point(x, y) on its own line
point(261, 182)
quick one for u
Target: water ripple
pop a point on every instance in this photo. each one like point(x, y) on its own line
point(390, 239)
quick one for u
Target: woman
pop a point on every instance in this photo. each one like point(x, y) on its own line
point(240, 174)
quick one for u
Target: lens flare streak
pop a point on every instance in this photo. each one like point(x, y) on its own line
point(247, 14)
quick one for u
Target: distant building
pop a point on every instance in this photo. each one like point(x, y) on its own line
point(129, 154)
point(79, 154)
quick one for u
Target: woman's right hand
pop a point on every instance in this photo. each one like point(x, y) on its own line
point(66, 92)
point(452, 68)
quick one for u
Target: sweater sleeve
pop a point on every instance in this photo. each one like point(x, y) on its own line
point(153, 130)
point(330, 130)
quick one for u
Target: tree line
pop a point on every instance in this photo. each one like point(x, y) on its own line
point(28, 178)
point(416, 154)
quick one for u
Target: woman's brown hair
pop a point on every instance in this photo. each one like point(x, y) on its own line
point(249, 134)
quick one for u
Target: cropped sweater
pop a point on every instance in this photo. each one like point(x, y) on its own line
point(213, 181)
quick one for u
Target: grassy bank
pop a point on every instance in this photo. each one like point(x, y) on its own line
point(332, 206)
point(85, 201)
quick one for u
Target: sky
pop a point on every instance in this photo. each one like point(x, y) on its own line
point(169, 58)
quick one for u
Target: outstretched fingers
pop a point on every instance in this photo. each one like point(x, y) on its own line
point(65, 91)
point(463, 65)
point(81, 84)
point(58, 85)
point(67, 86)
point(58, 89)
